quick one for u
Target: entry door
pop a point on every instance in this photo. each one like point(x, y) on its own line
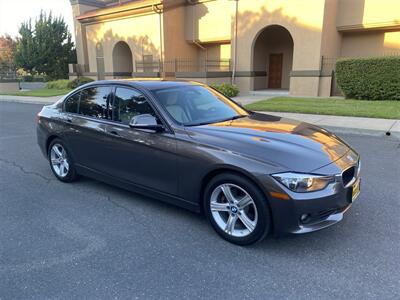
point(275, 71)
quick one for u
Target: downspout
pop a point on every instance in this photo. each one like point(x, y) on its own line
point(159, 12)
point(235, 45)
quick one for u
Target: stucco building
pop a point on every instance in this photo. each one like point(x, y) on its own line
point(257, 44)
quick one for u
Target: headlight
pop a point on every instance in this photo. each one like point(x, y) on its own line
point(302, 183)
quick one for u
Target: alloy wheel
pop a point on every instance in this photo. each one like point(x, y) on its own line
point(59, 160)
point(233, 210)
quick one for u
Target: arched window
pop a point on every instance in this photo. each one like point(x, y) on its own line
point(122, 60)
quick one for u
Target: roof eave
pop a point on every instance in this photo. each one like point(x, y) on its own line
point(118, 11)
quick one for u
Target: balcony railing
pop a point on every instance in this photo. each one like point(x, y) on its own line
point(78, 69)
point(183, 66)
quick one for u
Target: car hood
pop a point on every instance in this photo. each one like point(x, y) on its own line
point(293, 145)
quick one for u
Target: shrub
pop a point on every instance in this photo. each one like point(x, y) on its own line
point(229, 90)
point(375, 78)
point(61, 84)
point(79, 81)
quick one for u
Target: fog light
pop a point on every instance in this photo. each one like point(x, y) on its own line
point(304, 218)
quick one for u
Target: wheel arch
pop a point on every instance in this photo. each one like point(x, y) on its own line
point(232, 170)
point(49, 140)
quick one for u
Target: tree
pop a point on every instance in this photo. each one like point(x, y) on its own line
point(47, 48)
point(7, 48)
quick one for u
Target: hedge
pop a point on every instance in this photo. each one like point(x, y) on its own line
point(60, 84)
point(229, 90)
point(79, 81)
point(63, 84)
point(376, 78)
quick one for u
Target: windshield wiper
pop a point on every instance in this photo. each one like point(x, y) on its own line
point(217, 121)
point(235, 117)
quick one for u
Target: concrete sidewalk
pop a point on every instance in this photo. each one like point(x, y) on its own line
point(30, 99)
point(347, 124)
point(337, 123)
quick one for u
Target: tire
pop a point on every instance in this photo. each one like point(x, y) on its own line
point(247, 211)
point(61, 162)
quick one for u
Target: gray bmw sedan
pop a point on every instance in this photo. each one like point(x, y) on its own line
point(182, 142)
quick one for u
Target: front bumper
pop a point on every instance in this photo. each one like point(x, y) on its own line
point(308, 212)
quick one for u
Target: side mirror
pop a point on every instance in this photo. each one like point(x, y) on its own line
point(145, 121)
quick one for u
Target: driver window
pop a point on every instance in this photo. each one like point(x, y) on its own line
point(129, 103)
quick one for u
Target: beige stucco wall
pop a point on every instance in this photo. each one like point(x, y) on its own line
point(245, 84)
point(329, 28)
point(367, 13)
point(141, 33)
point(331, 39)
point(209, 21)
point(373, 43)
point(175, 45)
point(218, 51)
point(80, 32)
point(304, 21)
point(304, 86)
point(324, 89)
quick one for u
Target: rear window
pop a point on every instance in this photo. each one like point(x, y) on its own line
point(71, 104)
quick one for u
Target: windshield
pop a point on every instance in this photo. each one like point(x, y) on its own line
point(197, 105)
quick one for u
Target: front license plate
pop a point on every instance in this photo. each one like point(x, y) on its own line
point(356, 190)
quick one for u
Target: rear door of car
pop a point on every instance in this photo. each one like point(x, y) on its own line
point(85, 133)
point(144, 157)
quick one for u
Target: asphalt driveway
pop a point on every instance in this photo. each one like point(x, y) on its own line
point(91, 240)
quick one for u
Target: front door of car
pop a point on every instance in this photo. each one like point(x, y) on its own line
point(141, 156)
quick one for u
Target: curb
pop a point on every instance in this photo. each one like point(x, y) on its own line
point(28, 101)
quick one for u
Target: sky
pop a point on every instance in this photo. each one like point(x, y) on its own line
point(14, 12)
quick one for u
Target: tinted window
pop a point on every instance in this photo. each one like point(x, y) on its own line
point(96, 102)
point(195, 105)
point(129, 103)
point(71, 104)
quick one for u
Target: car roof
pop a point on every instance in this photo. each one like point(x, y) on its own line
point(149, 83)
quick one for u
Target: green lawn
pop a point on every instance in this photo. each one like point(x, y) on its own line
point(330, 106)
point(44, 92)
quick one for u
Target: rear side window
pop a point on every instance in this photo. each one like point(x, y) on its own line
point(71, 104)
point(129, 103)
point(96, 102)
